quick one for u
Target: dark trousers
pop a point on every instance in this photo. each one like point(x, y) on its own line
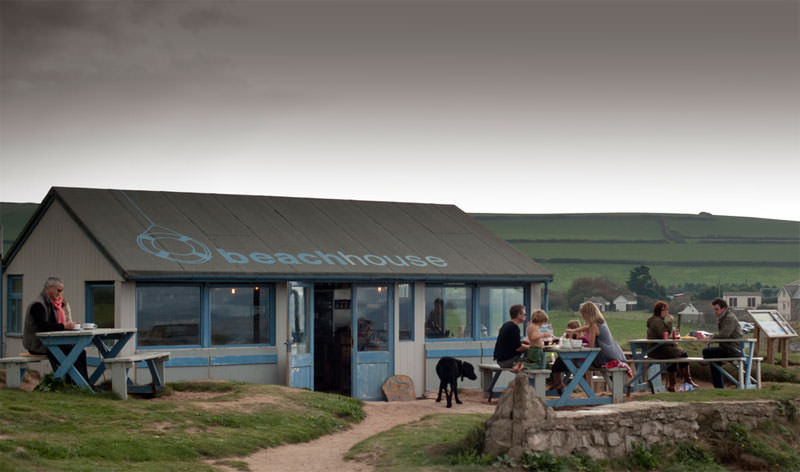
point(80, 363)
point(716, 376)
point(674, 367)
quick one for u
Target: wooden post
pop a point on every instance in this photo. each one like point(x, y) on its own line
point(756, 347)
point(770, 356)
point(785, 352)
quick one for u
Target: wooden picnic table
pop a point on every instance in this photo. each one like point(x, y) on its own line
point(648, 370)
point(80, 340)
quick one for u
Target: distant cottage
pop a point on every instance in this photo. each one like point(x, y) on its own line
point(601, 303)
point(623, 303)
point(789, 301)
point(742, 300)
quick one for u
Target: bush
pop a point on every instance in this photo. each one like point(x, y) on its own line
point(543, 462)
point(644, 456)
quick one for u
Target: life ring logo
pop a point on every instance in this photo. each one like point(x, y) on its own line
point(173, 246)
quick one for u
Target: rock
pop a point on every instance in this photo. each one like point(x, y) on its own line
point(399, 388)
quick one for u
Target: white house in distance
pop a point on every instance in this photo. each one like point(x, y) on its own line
point(624, 303)
point(742, 300)
point(331, 295)
point(789, 301)
point(601, 303)
point(690, 314)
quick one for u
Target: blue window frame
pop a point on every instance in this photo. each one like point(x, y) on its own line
point(449, 311)
point(14, 306)
point(470, 311)
point(405, 315)
point(100, 304)
point(205, 315)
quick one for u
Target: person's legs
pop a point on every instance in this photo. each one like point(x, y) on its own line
point(558, 368)
point(716, 376)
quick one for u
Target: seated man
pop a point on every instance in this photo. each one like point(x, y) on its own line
point(50, 312)
point(728, 329)
point(509, 350)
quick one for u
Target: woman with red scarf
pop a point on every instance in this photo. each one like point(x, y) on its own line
point(50, 312)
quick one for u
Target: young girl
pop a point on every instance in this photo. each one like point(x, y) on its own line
point(534, 358)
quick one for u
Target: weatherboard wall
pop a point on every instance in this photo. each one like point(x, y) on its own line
point(58, 247)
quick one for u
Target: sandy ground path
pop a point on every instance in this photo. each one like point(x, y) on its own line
point(327, 453)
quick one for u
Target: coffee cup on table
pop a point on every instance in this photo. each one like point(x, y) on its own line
point(76, 326)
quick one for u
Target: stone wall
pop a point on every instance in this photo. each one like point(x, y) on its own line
point(523, 422)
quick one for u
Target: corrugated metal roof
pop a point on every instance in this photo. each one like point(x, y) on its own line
point(167, 234)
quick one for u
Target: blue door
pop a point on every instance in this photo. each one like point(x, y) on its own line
point(299, 340)
point(373, 330)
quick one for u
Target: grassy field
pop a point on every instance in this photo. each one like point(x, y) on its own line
point(673, 274)
point(666, 252)
point(13, 217)
point(88, 432)
point(679, 249)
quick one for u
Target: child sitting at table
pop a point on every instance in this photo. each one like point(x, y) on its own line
point(534, 357)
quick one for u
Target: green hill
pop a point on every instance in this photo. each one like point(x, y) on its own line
point(13, 217)
point(679, 249)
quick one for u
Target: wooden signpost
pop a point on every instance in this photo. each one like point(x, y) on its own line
point(773, 326)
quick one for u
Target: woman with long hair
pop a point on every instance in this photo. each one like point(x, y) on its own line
point(657, 325)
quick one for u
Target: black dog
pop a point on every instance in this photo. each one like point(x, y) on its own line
point(449, 370)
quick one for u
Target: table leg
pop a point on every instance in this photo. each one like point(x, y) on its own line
point(67, 362)
point(105, 352)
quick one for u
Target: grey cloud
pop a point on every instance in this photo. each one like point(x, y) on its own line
point(207, 18)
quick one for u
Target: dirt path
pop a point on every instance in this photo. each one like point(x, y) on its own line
point(327, 452)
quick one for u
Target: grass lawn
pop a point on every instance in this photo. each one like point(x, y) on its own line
point(88, 432)
point(453, 443)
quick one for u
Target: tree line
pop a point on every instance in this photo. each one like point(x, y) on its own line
point(647, 289)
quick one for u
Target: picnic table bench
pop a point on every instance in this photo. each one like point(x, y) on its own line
point(121, 384)
point(16, 367)
point(614, 378)
point(649, 370)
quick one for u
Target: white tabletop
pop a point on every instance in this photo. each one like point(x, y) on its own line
point(85, 332)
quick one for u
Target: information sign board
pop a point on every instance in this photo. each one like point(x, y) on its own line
point(772, 324)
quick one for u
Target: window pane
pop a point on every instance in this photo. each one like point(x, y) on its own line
point(449, 310)
point(300, 319)
point(240, 315)
point(406, 316)
point(434, 306)
point(14, 305)
point(372, 313)
point(495, 304)
point(101, 305)
point(168, 316)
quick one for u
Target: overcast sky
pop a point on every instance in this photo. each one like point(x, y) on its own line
point(508, 107)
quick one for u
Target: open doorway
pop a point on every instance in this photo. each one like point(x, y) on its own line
point(333, 337)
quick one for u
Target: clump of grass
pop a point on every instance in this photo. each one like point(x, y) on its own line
point(740, 445)
point(203, 386)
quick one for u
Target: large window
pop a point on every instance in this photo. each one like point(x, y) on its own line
point(495, 304)
point(205, 314)
point(405, 295)
point(240, 314)
point(100, 304)
point(168, 315)
point(14, 311)
point(449, 311)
